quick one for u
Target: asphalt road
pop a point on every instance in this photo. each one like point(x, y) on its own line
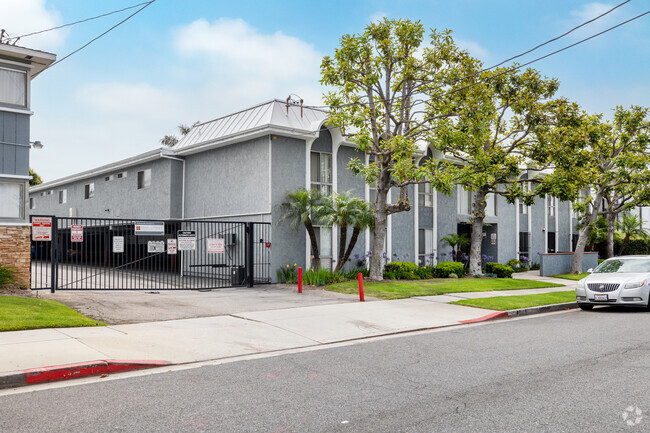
point(567, 372)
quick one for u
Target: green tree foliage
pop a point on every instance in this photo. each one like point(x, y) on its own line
point(297, 210)
point(456, 242)
point(346, 212)
point(608, 158)
point(495, 130)
point(630, 226)
point(36, 179)
point(382, 82)
point(172, 140)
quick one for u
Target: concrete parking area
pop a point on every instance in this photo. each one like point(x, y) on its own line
point(135, 306)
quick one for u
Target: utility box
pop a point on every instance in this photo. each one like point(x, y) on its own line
point(237, 275)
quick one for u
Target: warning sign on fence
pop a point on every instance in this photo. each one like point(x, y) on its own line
point(156, 246)
point(76, 233)
point(216, 246)
point(171, 246)
point(118, 244)
point(186, 240)
point(42, 229)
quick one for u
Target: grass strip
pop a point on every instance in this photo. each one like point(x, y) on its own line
point(504, 303)
point(572, 276)
point(407, 289)
point(17, 313)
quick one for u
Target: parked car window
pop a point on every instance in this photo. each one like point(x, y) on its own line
point(623, 266)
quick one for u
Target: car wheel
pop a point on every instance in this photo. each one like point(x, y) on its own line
point(586, 307)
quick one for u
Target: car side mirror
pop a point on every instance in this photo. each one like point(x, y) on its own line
point(590, 270)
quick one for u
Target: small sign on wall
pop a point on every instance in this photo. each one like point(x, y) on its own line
point(493, 239)
point(76, 233)
point(118, 244)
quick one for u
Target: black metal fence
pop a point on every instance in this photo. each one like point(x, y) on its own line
point(122, 254)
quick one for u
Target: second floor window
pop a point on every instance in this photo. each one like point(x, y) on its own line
point(13, 87)
point(144, 179)
point(425, 195)
point(551, 205)
point(321, 172)
point(63, 196)
point(89, 191)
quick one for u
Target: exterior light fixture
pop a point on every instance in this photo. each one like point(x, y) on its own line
point(36, 144)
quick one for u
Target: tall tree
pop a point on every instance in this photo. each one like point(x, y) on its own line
point(346, 212)
point(499, 128)
point(36, 179)
point(298, 209)
point(382, 81)
point(610, 158)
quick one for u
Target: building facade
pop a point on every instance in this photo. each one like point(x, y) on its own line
point(240, 167)
point(17, 66)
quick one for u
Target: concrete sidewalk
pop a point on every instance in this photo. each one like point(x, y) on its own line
point(210, 338)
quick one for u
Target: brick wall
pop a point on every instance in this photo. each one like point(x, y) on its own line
point(15, 251)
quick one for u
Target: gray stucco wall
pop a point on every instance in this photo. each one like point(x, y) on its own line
point(403, 229)
point(564, 220)
point(14, 143)
point(117, 198)
point(229, 180)
point(557, 264)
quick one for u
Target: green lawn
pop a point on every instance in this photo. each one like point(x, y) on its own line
point(407, 289)
point(503, 303)
point(17, 312)
point(572, 276)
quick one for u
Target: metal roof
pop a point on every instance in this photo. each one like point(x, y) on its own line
point(274, 114)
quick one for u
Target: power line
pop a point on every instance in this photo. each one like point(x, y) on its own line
point(94, 39)
point(78, 22)
point(511, 58)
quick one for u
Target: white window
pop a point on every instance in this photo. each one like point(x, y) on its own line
point(372, 197)
point(491, 205)
point(523, 209)
point(42, 193)
point(31, 203)
point(550, 200)
point(464, 198)
point(13, 87)
point(425, 247)
point(89, 190)
point(321, 172)
point(12, 204)
point(144, 179)
point(122, 175)
point(425, 195)
point(108, 178)
point(324, 239)
point(63, 196)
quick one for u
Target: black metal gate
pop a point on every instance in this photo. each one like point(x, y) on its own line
point(122, 254)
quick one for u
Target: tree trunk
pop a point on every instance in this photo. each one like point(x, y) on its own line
point(626, 240)
point(381, 216)
point(353, 241)
point(611, 222)
point(342, 241)
point(478, 215)
point(314, 244)
point(590, 220)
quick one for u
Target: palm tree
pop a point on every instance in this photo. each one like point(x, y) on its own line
point(298, 210)
point(456, 242)
point(172, 140)
point(630, 227)
point(345, 211)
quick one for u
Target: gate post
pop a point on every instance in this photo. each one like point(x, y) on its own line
point(53, 259)
point(249, 253)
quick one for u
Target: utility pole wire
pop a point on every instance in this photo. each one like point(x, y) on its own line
point(94, 39)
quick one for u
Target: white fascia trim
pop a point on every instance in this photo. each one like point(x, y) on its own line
point(14, 177)
point(125, 163)
point(17, 110)
point(229, 216)
point(16, 224)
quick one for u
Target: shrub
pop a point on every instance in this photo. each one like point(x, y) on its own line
point(425, 272)
point(445, 268)
point(388, 275)
point(353, 274)
point(500, 271)
point(514, 263)
point(534, 267)
point(321, 277)
point(402, 270)
point(7, 276)
point(452, 275)
point(289, 274)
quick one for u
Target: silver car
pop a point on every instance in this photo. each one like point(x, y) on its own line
point(618, 281)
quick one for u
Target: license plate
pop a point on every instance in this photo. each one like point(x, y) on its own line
point(602, 297)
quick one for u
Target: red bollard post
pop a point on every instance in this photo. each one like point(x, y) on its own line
point(360, 287)
point(299, 280)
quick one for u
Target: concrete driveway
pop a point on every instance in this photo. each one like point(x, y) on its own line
point(134, 306)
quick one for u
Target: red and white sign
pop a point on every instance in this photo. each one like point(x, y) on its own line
point(216, 246)
point(42, 229)
point(76, 233)
point(171, 246)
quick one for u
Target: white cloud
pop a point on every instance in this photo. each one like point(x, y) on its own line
point(474, 48)
point(377, 16)
point(590, 11)
point(20, 17)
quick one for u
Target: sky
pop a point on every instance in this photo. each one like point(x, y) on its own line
point(181, 61)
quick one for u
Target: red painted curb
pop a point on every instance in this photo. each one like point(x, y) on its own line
point(85, 369)
point(492, 316)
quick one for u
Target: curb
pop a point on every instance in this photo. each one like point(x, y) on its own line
point(55, 373)
point(523, 312)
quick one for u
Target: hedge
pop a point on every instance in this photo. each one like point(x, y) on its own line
point(501, 271)
point(445, 268)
